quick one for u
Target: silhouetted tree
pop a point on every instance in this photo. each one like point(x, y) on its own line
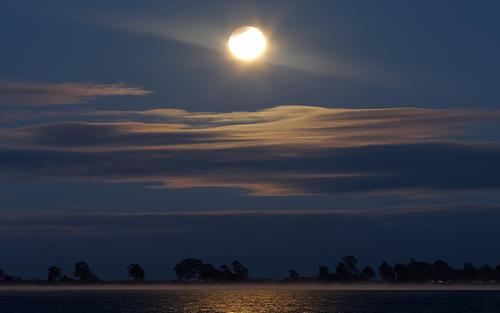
point(419, 271)
point(485, 273)
point(386, 272)
point(293, 275)
point(323, 273)
point(225, 273)
point(347, 269)
point(401, 272)
point(351, 264)
point(82, 272)
point(188, 269)
point(2, 274)
point(135, 272)
point(468, 272)
point(54, 273)
point(368, 273)
point(191, 268)
point(209, 272)
point(341, 272)
point(240, 272)
point(442, 271)
point(497, 273)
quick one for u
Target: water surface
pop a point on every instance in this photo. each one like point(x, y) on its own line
point(249, 301)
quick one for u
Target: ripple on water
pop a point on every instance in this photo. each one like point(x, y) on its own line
point(251, 301)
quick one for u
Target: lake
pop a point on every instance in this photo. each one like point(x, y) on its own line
point(249, 301)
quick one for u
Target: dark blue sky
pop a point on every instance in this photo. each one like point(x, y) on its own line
point(128, 134)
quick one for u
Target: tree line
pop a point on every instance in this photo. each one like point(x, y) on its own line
point(412, 272)
point(195, 269)
point(347, 270)
point(81, 272)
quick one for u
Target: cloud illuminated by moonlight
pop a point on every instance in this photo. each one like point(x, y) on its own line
point(29, 93)
point(285, 150)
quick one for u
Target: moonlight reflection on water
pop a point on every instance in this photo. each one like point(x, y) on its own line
point(250, 301)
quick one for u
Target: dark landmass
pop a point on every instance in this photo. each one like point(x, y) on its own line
point(193, 273)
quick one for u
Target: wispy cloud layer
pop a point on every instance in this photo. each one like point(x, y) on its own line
point(95, 224)
point(286, 150)
point(297, 127)
point(29, 93)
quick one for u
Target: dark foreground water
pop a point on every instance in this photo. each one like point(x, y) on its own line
point(250, 301)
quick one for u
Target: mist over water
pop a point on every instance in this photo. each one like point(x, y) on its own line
point(250, 287)
point(248, 300)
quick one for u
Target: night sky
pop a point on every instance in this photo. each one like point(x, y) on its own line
point(129, 134)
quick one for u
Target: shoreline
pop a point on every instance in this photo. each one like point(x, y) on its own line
point(171, 286)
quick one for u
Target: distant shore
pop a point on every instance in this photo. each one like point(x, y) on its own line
point(159, 286)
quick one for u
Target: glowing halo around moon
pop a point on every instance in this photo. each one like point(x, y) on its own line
point(247, 43)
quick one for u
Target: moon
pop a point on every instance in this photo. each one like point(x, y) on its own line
point(247, 43)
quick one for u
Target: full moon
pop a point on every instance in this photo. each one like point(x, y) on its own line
point(247, 43)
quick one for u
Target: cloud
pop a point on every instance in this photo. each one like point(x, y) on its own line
point(94, 224)
point(286, 150)
point(428, 167)
point(298, 128)
point(29, 93)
